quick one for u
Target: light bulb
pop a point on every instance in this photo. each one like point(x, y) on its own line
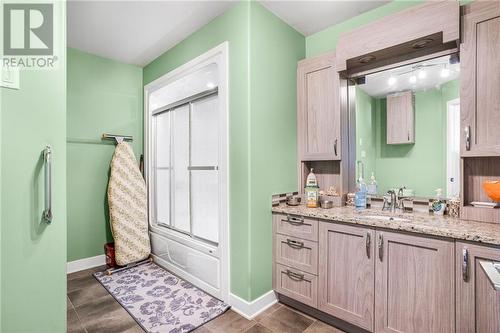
point(392, 81)
point(445, 72)
point(413, 79)
point(422, 74)
point(210, 85)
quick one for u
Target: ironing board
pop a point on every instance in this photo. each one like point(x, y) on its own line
point(127, 199)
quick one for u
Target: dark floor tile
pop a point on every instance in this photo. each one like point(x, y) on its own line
point(105, 315)
point(80, 282)
point(258, 328)
point(202, 329)
point(268, 311)
point(320, 327)
point(84, 273)
point(73, 323)
point(92, 291)
point(229, 322)
point(286, 320)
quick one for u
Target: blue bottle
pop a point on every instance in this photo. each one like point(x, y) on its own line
point(361, 193)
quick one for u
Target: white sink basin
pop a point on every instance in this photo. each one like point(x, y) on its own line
point(386, 218)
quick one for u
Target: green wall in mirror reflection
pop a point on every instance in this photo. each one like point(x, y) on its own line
point(420, 166)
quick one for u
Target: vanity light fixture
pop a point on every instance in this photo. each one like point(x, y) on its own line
point(392, 81)
point(413, 79)
point(210, 85)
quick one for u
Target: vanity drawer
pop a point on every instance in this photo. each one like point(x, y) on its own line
point(297, 253)
point(296, 226)
point(296, 284)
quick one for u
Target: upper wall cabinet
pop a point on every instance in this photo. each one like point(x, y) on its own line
point(400, 118)
point(318, 102)
point(417, 31)
point(480, 79)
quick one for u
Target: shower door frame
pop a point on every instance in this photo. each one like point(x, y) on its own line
point(218, 55)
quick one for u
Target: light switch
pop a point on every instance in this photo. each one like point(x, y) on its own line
point(10, 77)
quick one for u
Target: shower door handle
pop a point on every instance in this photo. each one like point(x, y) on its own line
point(47, 158)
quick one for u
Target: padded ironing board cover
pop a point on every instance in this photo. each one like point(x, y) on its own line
point(127, 199)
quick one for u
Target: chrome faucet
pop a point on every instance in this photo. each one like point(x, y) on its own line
point(393, 204)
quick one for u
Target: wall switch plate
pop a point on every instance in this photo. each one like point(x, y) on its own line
point(10, 77)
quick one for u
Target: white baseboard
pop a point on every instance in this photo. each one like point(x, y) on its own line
point(250, 310)
point(85, 263)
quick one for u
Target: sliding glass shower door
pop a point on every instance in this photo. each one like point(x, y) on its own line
point(186, 151)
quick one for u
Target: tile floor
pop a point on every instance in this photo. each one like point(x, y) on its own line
point(92, 309)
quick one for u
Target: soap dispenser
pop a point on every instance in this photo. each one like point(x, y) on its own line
point(438, 204)
point(371, 188)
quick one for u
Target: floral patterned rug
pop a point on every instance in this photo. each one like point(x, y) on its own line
point(160, 301)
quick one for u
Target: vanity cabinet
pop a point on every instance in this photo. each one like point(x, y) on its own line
point(374, 279)
point(478, 301)
point(400, 118)
point(318, 109)
point(347, 273)
point(414, 284)
point(480, 82)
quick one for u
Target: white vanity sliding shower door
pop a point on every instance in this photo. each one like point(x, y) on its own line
point(187, 170)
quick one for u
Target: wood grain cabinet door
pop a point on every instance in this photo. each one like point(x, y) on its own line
point(346, 273)
point(400, 118)
point(318, 109)
point(478, 301)
point(480, 79)
point(414, 284)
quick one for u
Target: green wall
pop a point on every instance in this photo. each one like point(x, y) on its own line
point(33, 254)
point(275, 49)
point(263, 55)
point(420, 166)
point(104, 96)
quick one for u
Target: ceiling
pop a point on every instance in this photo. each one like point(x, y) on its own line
point(427, 75)
point(136, 32)
point(309, 17)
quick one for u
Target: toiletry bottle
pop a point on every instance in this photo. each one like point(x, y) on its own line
point(438, 204)
point(311, 190)
point(371, 188)
point(360, 195)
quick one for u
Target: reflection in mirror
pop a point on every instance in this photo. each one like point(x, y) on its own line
point(408, 127)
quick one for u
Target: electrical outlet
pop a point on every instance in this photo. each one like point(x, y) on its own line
point(10, 77)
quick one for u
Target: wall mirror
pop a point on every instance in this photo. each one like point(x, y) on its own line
point(406, 122)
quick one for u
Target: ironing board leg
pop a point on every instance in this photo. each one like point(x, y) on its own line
point(116, 270)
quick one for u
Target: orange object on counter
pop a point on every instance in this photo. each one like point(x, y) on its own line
point(492, 189)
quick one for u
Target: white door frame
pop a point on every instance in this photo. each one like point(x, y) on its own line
point(449, 138)
point(219, 54)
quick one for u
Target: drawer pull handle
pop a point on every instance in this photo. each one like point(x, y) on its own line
point(294, 220)
point(335, 147)
point(465, 264)
point(380, 247)
point(295, 244)
point(467, 137)
point(368, 244)
point(294, 276)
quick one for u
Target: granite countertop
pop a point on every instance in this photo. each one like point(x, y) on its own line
point(422, 223)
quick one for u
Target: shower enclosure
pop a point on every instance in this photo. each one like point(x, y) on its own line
point(186, 163)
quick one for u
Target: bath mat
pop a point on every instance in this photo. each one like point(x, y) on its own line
point(159, 301)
